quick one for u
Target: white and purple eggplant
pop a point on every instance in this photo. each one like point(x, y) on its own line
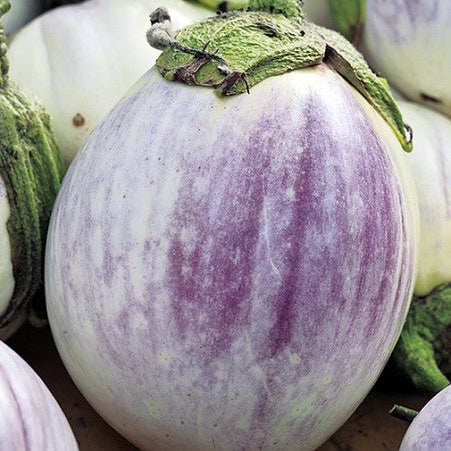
point(233, 272)
point(30, 417)
point(430, 430)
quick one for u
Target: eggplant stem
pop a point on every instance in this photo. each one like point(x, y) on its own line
point(403, 413)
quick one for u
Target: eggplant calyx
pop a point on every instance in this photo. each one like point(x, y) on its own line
point(233, 51)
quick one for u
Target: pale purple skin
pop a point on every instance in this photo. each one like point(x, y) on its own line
point(431, 428)
point(231, 273)
point(30, 417)
point(407, 42)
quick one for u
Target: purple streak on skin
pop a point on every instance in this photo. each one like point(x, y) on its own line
point(223, 297)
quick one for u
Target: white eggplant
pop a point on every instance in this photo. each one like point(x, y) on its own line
point(30, 417)
point(406, 41)
point(84, 57)
point(430, 162)
point(423, 350)
point(430, 429)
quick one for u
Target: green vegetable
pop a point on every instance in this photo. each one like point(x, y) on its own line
point(423, 352)
point(31, 171)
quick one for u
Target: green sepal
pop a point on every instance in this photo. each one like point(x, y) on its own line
point(423, 352)
point(271, 38)
point(32, 171)
point(278, 50)
point(350, 64)
point(349, 17)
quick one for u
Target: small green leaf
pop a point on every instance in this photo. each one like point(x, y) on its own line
point(4, 7)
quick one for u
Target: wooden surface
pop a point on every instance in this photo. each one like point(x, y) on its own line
point(370, 428)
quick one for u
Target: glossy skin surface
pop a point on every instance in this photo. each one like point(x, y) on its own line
point(431, 428)
point(30, 418)
point(232, 273)
point(408, 43)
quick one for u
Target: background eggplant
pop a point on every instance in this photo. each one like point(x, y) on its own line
point(78, 60)
point(30, 417)
point(431, 428)
point(406, 41)
point(423, 353)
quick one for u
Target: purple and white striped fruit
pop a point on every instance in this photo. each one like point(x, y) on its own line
point(233, 272)
point(431, 428)
point(30, 417)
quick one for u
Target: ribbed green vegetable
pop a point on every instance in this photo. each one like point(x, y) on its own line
point(31, 169)
point(423, 352)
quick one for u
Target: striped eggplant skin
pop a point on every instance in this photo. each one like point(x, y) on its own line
point(408, 42)
point(30, 417)
point(431, 428)
point(431, 166)
point(232, 273)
